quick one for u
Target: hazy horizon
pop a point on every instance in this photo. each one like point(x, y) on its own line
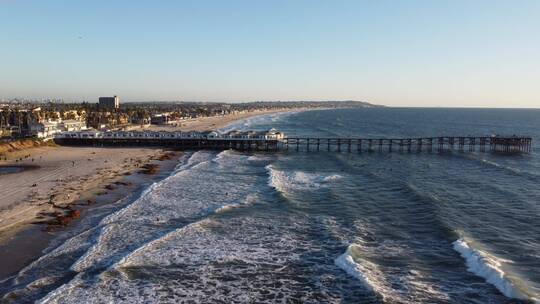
point(408, 54)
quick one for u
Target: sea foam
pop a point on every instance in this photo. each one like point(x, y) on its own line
point(349, 265)
point(248, 201)
point(298, 180)
point(249, 122)
point(488, 267)
point(392, 284)
point(368, 273)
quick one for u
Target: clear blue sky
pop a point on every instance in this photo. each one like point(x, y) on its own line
point(402, 53)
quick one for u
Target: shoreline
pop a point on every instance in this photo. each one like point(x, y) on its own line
point(33, 230)
point(34, 176)
point(66, 184)
point(213, 122)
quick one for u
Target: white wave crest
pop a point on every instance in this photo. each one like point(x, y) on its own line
point(488, 267)
point(248, 201)
point(404, 286)
point(349, 265)
point(332, 177)
point(298, 180)
point(223, 155)
point(247, 123)
point(260, 158)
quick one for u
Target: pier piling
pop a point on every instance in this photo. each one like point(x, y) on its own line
point(497, 144)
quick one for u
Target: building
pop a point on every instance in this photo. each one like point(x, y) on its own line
point(143, 121)
point(271, 134)
point(160, 119)
point(47, 129)
point(71, 125)
point(109, 102)
point(44, 129)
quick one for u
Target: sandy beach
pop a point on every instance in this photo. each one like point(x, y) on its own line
point(42, 188)
point(57, 176)
point(34, 180)
point(211, 123)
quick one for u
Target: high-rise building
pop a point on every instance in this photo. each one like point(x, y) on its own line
point(109, 102)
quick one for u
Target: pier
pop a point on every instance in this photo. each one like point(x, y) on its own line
point(275, 141)
point(512, 144)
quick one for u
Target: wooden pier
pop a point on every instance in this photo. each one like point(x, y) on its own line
point(427, 144)
point(497, 144)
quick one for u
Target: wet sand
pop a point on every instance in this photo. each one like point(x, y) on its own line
point(210, 123)
point(22, 244)
point(61, 175)
point(58, 176)
point(45, 190)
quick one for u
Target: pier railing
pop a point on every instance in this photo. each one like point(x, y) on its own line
point(421, 144)
point(508, 145)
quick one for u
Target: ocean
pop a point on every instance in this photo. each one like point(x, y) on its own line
point(317, 227)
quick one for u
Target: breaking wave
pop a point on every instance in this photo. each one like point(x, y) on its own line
point(361, 272)
point(298, 180)
point(248, 201)
point(250, 122)
point(407, 286)
point(489, 267)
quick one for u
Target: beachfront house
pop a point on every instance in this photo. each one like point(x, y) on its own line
point(71, 125)
point(233, 134)
point(190, 134)
point(248, 135)
point(90, 134)
point(44, 129)
point(213, 135)
point(271, 134)
point(160, 119)
point(274, 134)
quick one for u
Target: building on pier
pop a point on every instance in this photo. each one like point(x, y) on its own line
point(271, 134)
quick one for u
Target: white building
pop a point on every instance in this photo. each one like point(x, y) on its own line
point(274, 134)
point(44, 129)
point(271, 134)
point(71, 125)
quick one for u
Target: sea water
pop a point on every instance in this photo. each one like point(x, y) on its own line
point(298, 227)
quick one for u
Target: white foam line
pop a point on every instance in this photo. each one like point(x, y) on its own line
point(411, 284)
point(347, 263)
point(64, 290)
point(247, 122)
point(298, 180)
point(368, 274)
point(248, 201)
point(125, 261)
point(488, 267)
point(186, 166)
point(186, 163)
